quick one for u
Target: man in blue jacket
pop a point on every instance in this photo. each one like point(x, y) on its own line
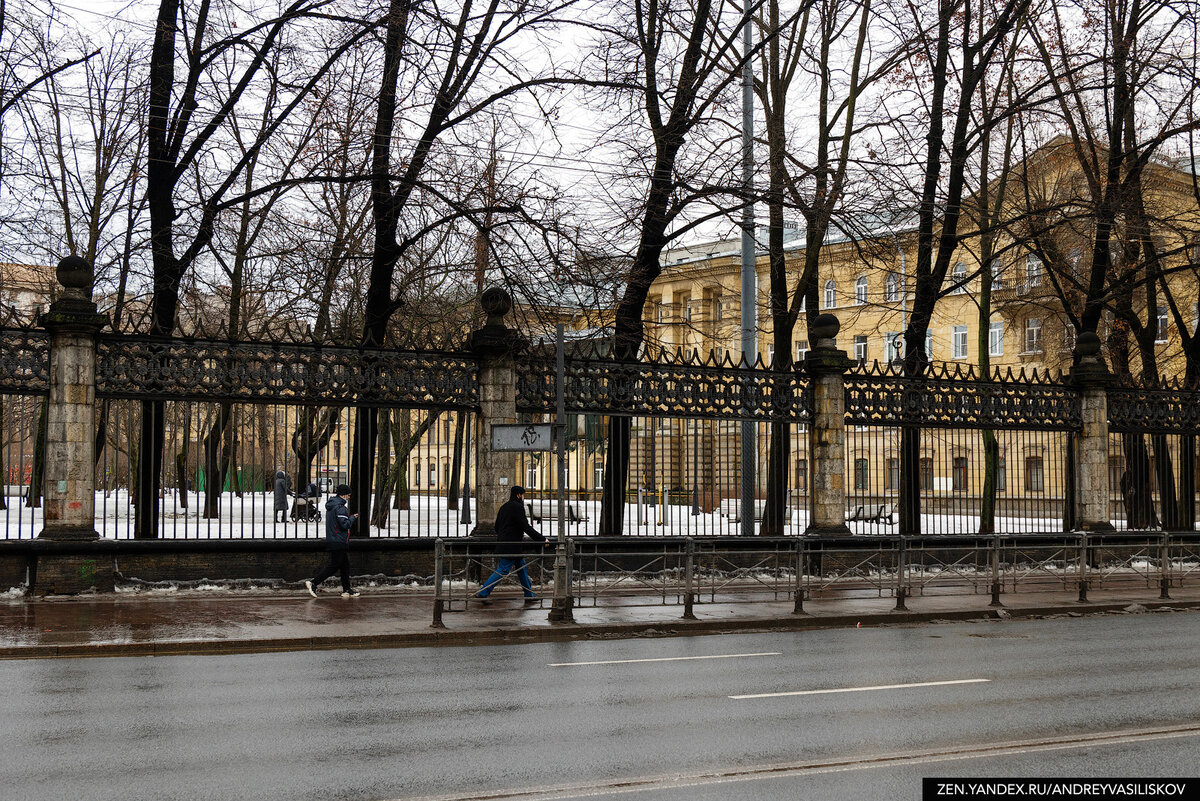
point(338, 521)
point(511, 527)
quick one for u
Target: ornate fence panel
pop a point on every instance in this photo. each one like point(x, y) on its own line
point(957, 415)
point(236, 414)
point(686, 416)
point(182, 369)
point(24, 387)
point(1152, 463)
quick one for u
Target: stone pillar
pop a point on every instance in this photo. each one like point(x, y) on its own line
point(494, 346)
point(826, 367)
point(69, 504)
point(1091, 459)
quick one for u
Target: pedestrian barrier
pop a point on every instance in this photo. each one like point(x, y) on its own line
point(690, 572)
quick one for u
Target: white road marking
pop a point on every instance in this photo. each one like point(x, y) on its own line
point(861, 689)
point(661, 659)
point(632, 785)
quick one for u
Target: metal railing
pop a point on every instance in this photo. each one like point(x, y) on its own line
point(688, 572)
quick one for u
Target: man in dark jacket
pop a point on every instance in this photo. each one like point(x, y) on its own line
point(283, 486)
point(338, 521)
point(511, 527)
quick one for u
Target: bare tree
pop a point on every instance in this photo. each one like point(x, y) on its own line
point(449, 63)
point(187, 114)
point(674, 63)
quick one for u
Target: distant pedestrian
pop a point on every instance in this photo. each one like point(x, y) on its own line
point(338, 522)
point(511, 527)
point(283, 488)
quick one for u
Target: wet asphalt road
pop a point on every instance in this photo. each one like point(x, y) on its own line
point(417, 722)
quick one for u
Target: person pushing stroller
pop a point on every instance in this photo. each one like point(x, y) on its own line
point(304, 505)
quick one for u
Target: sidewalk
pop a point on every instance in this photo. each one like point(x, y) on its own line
point(200, 622)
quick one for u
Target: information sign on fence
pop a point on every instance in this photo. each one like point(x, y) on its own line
point(523, 437)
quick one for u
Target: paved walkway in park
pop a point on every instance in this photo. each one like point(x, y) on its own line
point(197, 622)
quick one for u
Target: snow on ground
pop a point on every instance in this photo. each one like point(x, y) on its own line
point(251, 516)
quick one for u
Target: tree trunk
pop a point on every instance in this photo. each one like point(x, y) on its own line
point(456, 466)
point(1135, 483)
point(314, 429)
point(214, 465)
point(37, 476)
point(1164, 474)
point(181, 479)
point(384, 478)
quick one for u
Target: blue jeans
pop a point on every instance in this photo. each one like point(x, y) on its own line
point(506, 565)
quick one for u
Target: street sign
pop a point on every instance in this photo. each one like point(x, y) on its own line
point(523, 437)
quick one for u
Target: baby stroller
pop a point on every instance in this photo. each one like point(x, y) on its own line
point(304, 506)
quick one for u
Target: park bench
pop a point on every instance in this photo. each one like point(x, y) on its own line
point(872, 514)
point(731, 507)
point(548, 510)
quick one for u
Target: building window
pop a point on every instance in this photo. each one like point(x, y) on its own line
point(997, 268)
point(771, 354)
point(1033, 335)
point(1001, 476)
point(929, 345)
point(860, 474)
point(1163, 326)
point(801, 350)
point(860, 347)
point(895, 346)
point(891, 288)
point(958, 474)
point(598, 476)
point(432, 474)
point(1033, 271)
point(830, 294)
point(958, 279)
point(1034, 478)
point(531, 474)
point(959, 342)
point(996, 339)
point(417, 474)
point(718, 310)
point(891, 479)
point(687, 310)
point(860, 291)
point(337, 451)
point(925, 476)
point(658, 313)
point(802, 475)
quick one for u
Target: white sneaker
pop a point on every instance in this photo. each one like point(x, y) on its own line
point(311, 590)
point(351, 594)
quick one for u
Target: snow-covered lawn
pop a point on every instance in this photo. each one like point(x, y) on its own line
point(251, 516)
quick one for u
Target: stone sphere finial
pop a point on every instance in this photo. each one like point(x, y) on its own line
point(74, 273)
point(826, 328)
point(496, 302)
point(1088, 345)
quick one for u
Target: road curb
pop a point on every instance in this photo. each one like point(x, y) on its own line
point(434, 637)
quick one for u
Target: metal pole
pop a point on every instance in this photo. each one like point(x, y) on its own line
point(560, 608)
point(689, 568)
point(1164, 564)
point(1083, 566)
point(749, 273)
point(798, 609)
point(901, 588)
point(438, 602)
point(996, 572)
